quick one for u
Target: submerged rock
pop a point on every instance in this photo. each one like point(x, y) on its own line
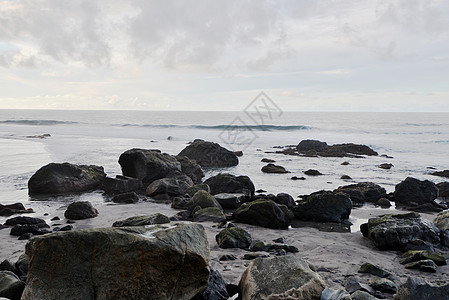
point(161, 262)
point(265, 213)
point(65, 178)
point(313, 172)
point(393, 232)
point(281, 277)
point(80, 210)
point(318, 148)
point(323, 206)
point(418, 288)
point(208, 154)
point(227, 183)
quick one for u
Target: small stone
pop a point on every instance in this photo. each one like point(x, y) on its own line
point(417, 255)
point(251, 256)
point(374, 270)
point(312, 172)
point(386, 166)
point(267, 160)
point(384, 202)
point(346, 177)
point(271, 168)
point(55, 219)
point(345, 163)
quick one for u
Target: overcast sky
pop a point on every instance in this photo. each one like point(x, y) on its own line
point(307, 55)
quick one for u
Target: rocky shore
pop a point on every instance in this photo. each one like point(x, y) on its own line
point(166, 233)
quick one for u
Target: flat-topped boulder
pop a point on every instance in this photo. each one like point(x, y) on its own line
point(363, 192)
point(148, 165)
point(318, 148)
point(56, 178)
point(154, 262)
point(265, 213)
point(209, 154)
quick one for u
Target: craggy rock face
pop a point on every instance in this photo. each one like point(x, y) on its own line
point(65, 178)
point(211, 155)
point(282, 277)
point(154, 262)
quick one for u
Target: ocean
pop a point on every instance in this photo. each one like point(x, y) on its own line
point(416, 142)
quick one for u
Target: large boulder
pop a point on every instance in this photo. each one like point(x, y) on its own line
point(191, 168)
point(160, 262)
point(11, 287)
point(171, 186)
point(419, 288)
point(306, 146)
point(227, 183)
point(265, 213)
point(413, 193)
point(363, 192)
point(208, 154)
point(80, 210)
point(393, 232)
point(233, 237)
point(148, 165)
point(282, 277)
point(323, 206)
point(65, 178)
point(121, 184)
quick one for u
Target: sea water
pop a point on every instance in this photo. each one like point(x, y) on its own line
point(417, 143)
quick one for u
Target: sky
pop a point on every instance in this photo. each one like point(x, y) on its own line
point(306, 55)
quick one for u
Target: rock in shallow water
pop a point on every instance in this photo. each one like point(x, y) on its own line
point(159, 262)
point(80, 210)
point(208, 154)
point(228, 183)
point(414, 193)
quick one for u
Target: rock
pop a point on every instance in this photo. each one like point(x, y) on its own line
point(425, 265)
point(386, 166)
point(171, 186)
point(418, 288)
point(280, 240)
point(306, 146)
point(126, 198)
point(209, 214)
point(6, 265)
point(22, 265)
point(234, 237)
point(197, 187)
point(80, 210)
point(65, 178)
point(362, 295)
point(179, 202)
point(383, 285)
point(238, 153)
point(161, 262)
point(251, 256)
point(272, 168)
point(285, 199)
point(384, 202)
point(298, 178)
point(413, 192)
point(363, 192)
point(208, 154)
point(345, 163)
point(121, 184)
point(190, 168)
point(375, 270)
point(265, 213)
point(267, 160)
point(323, 206)
point(393, 232)
point(21, 230)
point(417, 255)
point(227, 183)
point(148, 165)
point(442, 220)
point(227, 257)
point(330, 294)
point(286, 248)
point(443, 189)
point(216, 290)
point(11, 287)
point(28, 235)
point(202, 199)
point(21, 220)
point(346, 177)
point(11, 209)
point(143, 220)
point(444, 173)
point(64, 228)
point(349, 149)
point(312, 172)
point(418, 245)
point(280, 277)
point(230, 200)
point(354, 285)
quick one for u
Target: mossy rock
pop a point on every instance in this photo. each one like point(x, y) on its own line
point(412, 256)
point(191, 191)
point(203, 199)
point(426, 265)
point(374, 270)
point(143, 220)
point(209, 214)
point(234, 237)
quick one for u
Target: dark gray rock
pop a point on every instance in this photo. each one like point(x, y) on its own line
point(216, 290)
point(20, 230)
point(281, 277)
point(267, 160)
point(418, 245)
point(363, 192)
point(384, 202)
point(425, 265)
point(362, 295)
point(153, 219)
point(22, 265)
point(275, 169)
point(386, 166)
point(313, 172)
point(172, 186)
point(197, 187)
point(11, 209)
point(393, 232)
point(265, 213)
point(227, 257)
point(230, 200)
point(121, 184)
point(323, 206)
point(22, 220)
point(148, 165)
point(162, 262)
point(417, 255)
point(444, 173)
point(208, 154)
point(383, 285)
point(375, 270)
point(227, 183)
point(285, 199)
point(191, 168)
point(234, 237)
point(80, 210)
point(418, 288)
point(11, 287)
point(414, 193)
point(306, 146)
point(209, 214)
point(65, 178)
point(443, 189)
point(6, 265)
point(330, 294)
point(354, 285)
point(126, 198)
point(317, 148)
